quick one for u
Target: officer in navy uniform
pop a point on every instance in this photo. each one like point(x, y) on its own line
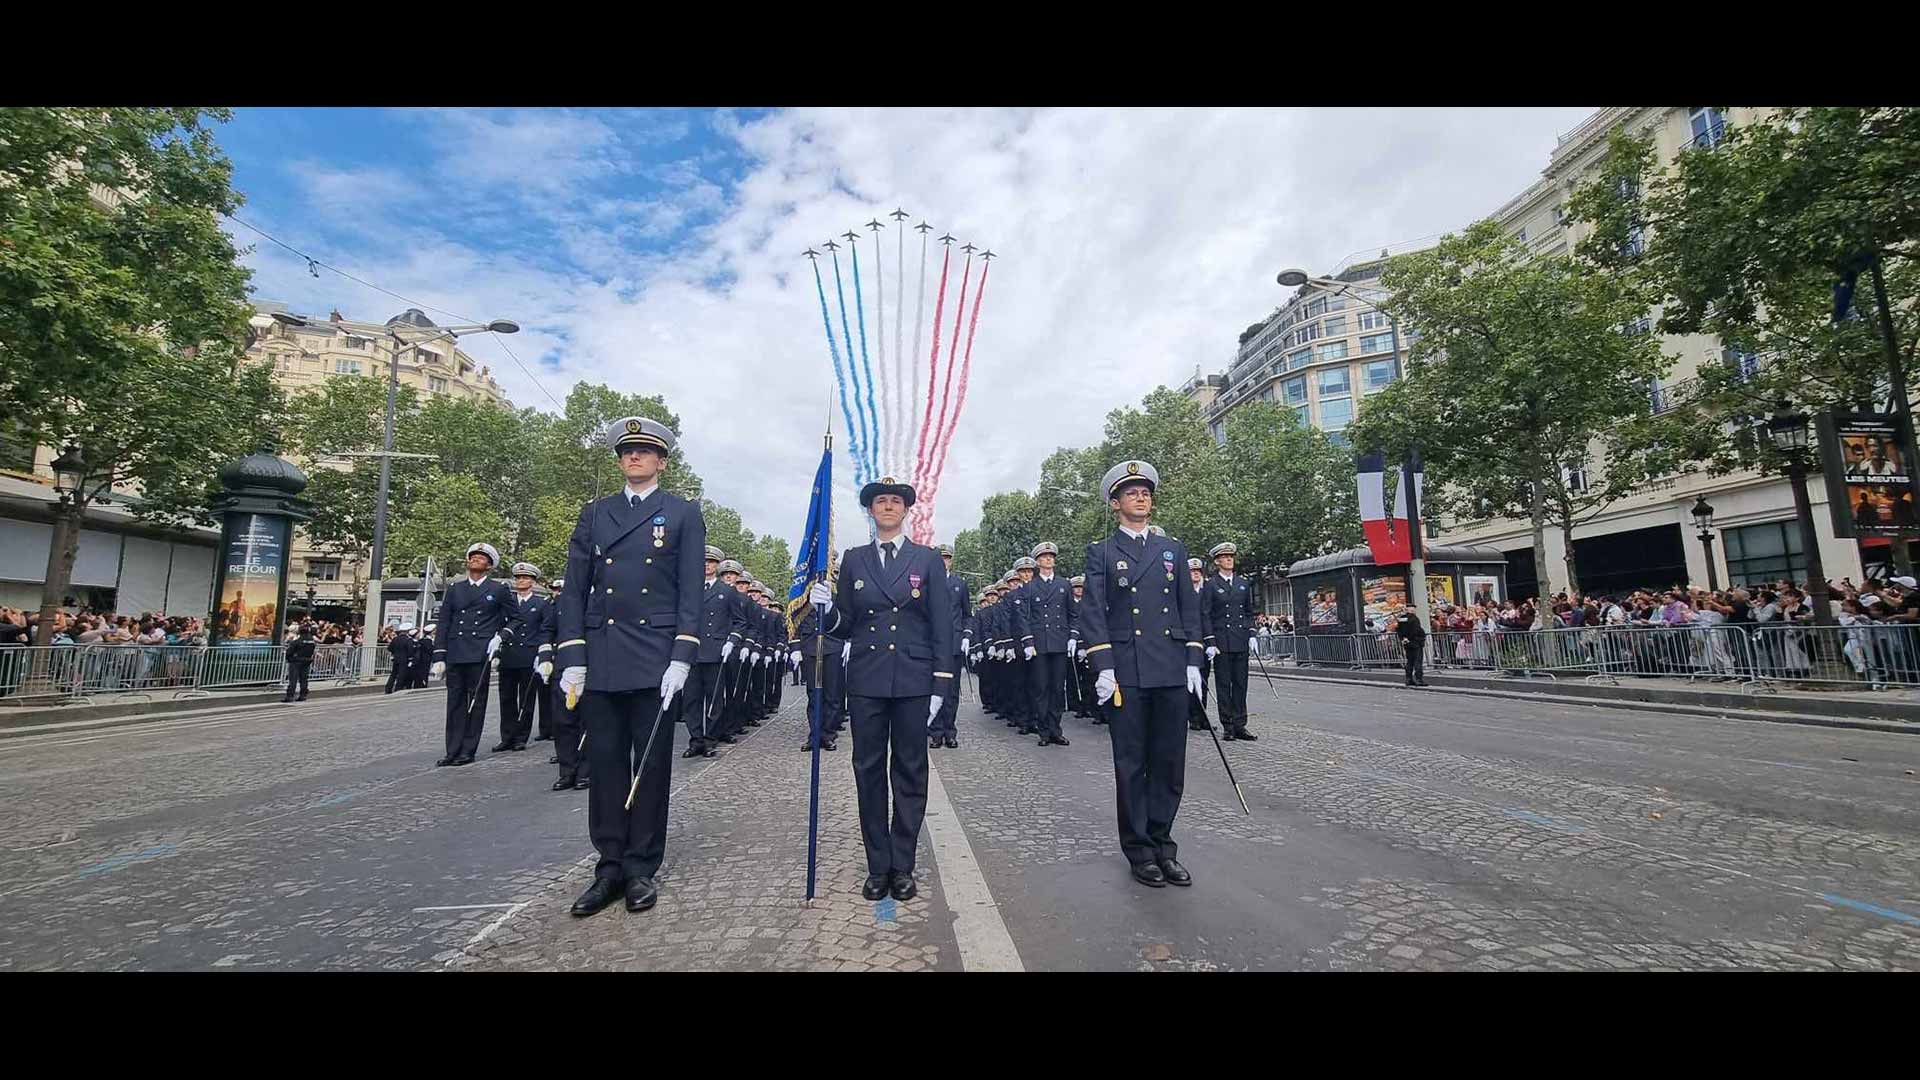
point(1230, 638)
point(400, 649)
point(974, 636)
point(777, 657)
point(477, 616)
point(893, 596)
point(527, 657)
point(1047, 639)
point(422, 667)
point(944, 730)
point(567, 729)
point(1197, 704)
point(1083, 705)
point(629, 634)
point(1021, 661)
point(1140, 626)
point(723, 625)
point(815, 650)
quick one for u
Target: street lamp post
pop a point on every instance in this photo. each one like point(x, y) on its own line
point(1788, 431)
point(1417, 563)
point(69, 482)
point(405, 333)
point(1703, 518)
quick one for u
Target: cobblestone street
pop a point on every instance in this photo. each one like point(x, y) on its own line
point(1391, 829)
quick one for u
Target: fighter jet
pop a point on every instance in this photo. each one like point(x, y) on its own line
point(923, 227)
point(899, 214)
point(948, 239)
point(811, 254)
point(851, 235)
point(875, 225)
point(988, 254)
point(968, 248)
point(831, 246)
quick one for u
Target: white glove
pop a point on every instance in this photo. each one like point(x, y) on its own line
point(545, 668)
point(1073, 645)
point(820, 597)
point(794, 659)
point(493, 646)
point(672, 681)
point(494, 664)
point(760, 658)
point(1029, 651)
point(966, 644)
point(933, 709)
point(439, 668)
point(726, 650)
point(1253, 644)
point(1104, 686)
point(1212, 652)
point(573, 682)
point(1193, 680)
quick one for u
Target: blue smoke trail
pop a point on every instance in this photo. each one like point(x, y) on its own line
point(866, 366)
point(839, 379)
point(858, 451)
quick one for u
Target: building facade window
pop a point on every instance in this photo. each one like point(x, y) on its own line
point(346, 367)
point(1309, 332)
point(1521, 236)
point(1761, 553)
point(1300, 359)
point(1336, 414)
point(1334, 327)
point(436, 384)
point(323, 569)
point(1333, 350)
point(1374, 343)
point(1316, 307)
point(1295, 390)
point(1266, 394)
point(1709, 126)
point(1745, 364)
point(1373, 320)
point(1378, 374)
point(356, 342)
point(1335, 381)
point(1304, 414)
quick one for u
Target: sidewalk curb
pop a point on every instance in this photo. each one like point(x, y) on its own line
point(42, 721)
point(1601, 701)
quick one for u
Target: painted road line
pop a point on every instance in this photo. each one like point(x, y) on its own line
point(981, 933)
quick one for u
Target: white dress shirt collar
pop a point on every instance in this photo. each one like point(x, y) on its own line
point(639, 495)
point(1136, 535)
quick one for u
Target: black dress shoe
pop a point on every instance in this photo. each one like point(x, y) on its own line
point(443, 762)
point(461, 760)
point(875, 888)
point(543, 738)
point(581, 784)
point(707, 750)
point(953, 743)
point(692, 750)
point(501, 749)
point(1228, 736)
point(641, 894)
point(828, 745)
point(565, 783)
point(903, 887)
point(729, 740)
point(602, 892)
point(1249, 736)
point(1174, 872)
point(1061, 740)
point(519, 746)
point(936, 743)
point(553, 759)
point(753, 723)
point(1149, 874)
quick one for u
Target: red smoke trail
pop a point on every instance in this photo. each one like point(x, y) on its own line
point(924, 474)
point(933, 364)
point(960, 402)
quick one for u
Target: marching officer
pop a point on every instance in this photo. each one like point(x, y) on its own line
point(629, 626)
point(944, 731)
point(527, 656)
point(893, 596)
point(1230, 638)
point(567, 729)
point(1080, 673)
point(400, 650)
point(723, 624)
point(476, 618)
point(1140, 627)
point(422, 656)
point(1047, 639)
point(1197, 706)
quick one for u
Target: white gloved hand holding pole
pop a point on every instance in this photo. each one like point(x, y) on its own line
point(846, 652)
point(1104, 686)
point(933, 709)
point(820, 597)
point(1029, 652)
point(1193, 680)
point(793, 658)
point(672, 682)
point(545, 670)
point(439, 668)
point(726, 650)
point(1253, 644)
point(573, 682)
point(1212, 651)
point(1073, 645)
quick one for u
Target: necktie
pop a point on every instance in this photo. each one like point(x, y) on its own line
point(633, 501)
point(886, 557)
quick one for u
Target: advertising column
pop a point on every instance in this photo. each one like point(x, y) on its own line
point(250, 604)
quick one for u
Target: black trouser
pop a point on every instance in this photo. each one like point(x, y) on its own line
point(297, 677)
point(1089, 703)
point(943, 724)
point(399, 677)
point(1416, 659)
point(466, 683)
point(566, 734)
point(1197, 703)
point(1019, 700)
point(833, 693)
point(1230, 698)
point(775, 684)
point(1046, 688)
point(516, 709)
point(1149, 768)
point(695, 706)
point(901, 723)
point(632, 842)
point(422, 675)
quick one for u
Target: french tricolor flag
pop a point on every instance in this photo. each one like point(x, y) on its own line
point(1389, 538)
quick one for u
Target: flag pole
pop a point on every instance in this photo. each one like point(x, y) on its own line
point(819, 665)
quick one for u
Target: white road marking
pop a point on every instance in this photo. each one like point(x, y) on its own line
point(982, 935)
point(496, 924)
point(467, 907)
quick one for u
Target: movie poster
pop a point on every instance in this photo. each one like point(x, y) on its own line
point(252, 572)
point(1870, 477)
point(1382, 598)
point(1484, 591)
point(1439, 590)
point(1323, 607)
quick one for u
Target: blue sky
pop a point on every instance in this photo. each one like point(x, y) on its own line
point(659, 250)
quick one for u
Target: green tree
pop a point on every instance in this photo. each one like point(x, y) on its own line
point(1288, 491)
point(123, 308)
point(1527, 382)
point(452, 512)
point(346, 415)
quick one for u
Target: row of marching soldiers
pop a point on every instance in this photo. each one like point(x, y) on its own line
point(1023, 644)
point(743, 649)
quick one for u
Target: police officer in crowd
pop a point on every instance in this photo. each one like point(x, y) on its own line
point(422, 667)
point(299, 663)
point(567, 729)
point(1231, 639)
point(630, 617)
point(477, 616)
point(527, 657)
point(893, 597)
point(400, 652)
point(944, 731)
point(1140, 626)
point(1047, 637)
point(1413, 642)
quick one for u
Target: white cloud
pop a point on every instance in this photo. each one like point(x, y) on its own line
point(1135, 245)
